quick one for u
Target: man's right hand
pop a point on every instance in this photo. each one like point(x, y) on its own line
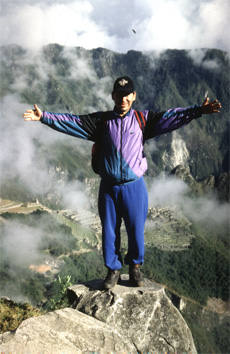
point(32, 114)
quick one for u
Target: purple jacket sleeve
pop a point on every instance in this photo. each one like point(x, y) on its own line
point(164, 122)
point(83, 126)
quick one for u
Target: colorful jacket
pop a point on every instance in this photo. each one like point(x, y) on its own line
point(122, 157)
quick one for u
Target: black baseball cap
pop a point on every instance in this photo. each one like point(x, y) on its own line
point(123, 84)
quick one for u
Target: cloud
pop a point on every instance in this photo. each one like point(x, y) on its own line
point(73, 196)
point(40, 24)
point(182, 24)
point(21, 246)
point(80, 69)
point(20, 156)
point(198, 57)
point(171, 191)
point(167, 191)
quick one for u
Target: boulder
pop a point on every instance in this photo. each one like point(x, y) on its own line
point(123, 320)
point(65, 331)
point(145, 316)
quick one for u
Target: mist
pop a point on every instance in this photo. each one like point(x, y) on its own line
point(22, 143)
point(19, 150)
point(21, 246)
point(24, 243)
point(171, 191)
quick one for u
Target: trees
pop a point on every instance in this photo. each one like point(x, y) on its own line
point(199, 273)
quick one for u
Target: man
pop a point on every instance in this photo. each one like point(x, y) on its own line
point(122, 165)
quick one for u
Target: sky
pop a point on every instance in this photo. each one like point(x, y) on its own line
point(157, 25)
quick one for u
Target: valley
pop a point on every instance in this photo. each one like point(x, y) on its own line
point(166, 228)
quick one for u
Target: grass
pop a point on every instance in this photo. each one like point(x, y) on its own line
point(12, 314)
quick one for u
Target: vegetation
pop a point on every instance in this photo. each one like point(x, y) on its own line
point(12, 314)
point(210, 330)
point(55, 237)
point(198, 273)
point(85, 267)
point(23, 283)
point(58, 289)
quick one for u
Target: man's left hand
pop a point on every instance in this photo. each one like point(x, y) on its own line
point(211, 107)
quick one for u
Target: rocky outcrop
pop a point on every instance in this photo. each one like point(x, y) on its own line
point(216, 185)
point(64, 331)
point(122, 320)
point(176, 154)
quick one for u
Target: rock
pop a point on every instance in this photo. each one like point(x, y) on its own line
point(145, 316)
point(64, 331)
point(183, 172)
point(122, 320)
point(212, 185)
point(177, 154)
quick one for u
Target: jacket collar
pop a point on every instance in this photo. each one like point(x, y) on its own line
point(118, 115)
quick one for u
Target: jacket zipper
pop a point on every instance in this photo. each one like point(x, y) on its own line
point(121, 148)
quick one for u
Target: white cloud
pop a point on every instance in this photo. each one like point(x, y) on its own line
point(172, 191)
point(20, 156)
point(90, 24)
point(73, 196)
point(198, 57)
point(79, 68)
point(167, 191)
point(21, 244)
point(40, 24)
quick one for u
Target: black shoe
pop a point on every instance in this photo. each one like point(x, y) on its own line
point(135, 276)
point(111, 279)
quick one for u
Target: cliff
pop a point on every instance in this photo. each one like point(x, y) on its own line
point(123, 320)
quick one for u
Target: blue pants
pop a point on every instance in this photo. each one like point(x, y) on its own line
point(130, 202)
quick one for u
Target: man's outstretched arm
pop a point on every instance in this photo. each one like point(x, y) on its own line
point(83, 126)
point(164, 122)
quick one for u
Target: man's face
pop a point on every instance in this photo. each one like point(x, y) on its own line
point(123, 101)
